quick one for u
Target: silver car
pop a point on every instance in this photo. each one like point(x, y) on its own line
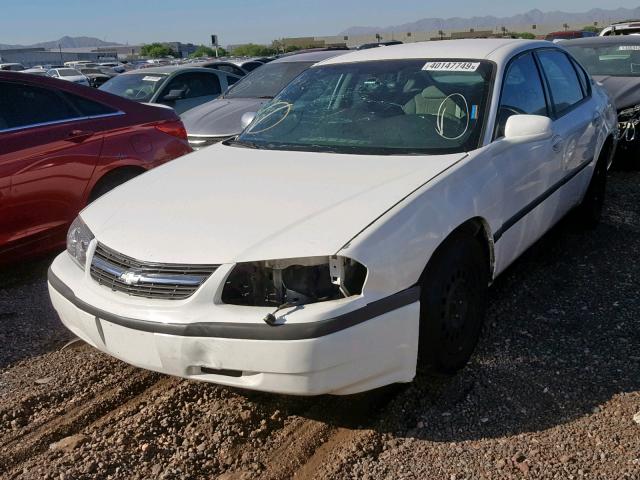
point(181, 88)
point(215, 121)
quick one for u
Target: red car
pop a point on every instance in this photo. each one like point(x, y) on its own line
point(62, 146)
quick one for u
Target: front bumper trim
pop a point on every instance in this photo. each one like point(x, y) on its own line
point(245, 331)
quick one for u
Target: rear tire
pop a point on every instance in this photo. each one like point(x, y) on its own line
point(589, 212)
point(453, 303)
point(111, 181)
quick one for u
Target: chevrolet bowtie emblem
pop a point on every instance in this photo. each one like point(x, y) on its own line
point(130, 278)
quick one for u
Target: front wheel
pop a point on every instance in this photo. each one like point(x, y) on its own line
point(453, 303)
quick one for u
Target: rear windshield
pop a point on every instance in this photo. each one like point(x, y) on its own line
point(135, 86)
point(268, 80)
point(619, 60)
point(68, 72)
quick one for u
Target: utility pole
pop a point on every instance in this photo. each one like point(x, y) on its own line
point(60, 50)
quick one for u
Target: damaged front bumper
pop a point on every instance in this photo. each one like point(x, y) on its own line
point(337, 347)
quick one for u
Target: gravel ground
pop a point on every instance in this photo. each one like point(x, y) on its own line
point(551, 393)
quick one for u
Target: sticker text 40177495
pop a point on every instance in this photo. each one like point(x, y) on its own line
point(451, 66)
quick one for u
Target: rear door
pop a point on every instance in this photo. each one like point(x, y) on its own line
point(575, 116)
point(196, 87)
point(49, 148)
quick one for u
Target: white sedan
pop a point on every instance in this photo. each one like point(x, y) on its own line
point(354, 226)
point(68, 74)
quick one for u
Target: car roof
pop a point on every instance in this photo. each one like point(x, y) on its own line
point(608, 40)
point(310, 56)
point(166, 70)
point(496, 49)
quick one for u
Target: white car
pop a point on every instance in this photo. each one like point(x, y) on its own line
point(355, 224)
point(68, 74)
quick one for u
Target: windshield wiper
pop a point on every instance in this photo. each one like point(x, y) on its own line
point(266, 97)
point(243, 144)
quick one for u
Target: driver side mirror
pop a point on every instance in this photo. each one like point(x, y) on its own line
point(174, 95)
point(528, 128)
point(246, 119)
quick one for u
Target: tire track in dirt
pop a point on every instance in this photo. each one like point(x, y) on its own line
point(37, 440)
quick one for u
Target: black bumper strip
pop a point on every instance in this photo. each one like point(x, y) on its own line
point(253, 331)
point(526, 210)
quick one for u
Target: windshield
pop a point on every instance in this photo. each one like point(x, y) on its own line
point(619, 60)
point(378, 107)
point(267, 81)
point(136, 86)
point(68, 72)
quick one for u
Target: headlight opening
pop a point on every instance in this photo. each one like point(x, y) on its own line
point(78, 239)
point(295, 281)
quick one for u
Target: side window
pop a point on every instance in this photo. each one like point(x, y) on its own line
point(25, 105)
point(583, 77)
point(88, 107)
point(195, 84)
point(231, 80)
point(563, 80)
point(522, 92)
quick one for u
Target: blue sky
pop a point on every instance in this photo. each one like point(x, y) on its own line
point(238, 21)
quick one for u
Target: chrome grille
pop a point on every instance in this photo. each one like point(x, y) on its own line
point(198, 142)
point(167, 281)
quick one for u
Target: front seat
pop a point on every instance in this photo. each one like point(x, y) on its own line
point(426, 102)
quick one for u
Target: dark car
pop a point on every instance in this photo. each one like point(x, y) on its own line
point(63, 145)
point(367, 46)
point(614, 61)
point(219, 119)
point(95, 76)
point(223, 66)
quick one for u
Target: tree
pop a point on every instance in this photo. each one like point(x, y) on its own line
point(157, 50)
point(204, 51)
point(525, 35)
point(253, 50)
point(591, 28)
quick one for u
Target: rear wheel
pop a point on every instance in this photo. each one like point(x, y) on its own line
point(111, 181)
point(589, 211)
point(453, 303)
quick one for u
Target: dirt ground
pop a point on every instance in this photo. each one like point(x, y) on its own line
point(551, 393)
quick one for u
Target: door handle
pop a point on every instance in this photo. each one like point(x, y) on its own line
point(557, 143)
point(79, 135)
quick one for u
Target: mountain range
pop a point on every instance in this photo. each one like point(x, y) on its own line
point(65, 42)
point(532, 17)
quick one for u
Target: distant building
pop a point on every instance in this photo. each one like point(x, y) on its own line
point(30, 57)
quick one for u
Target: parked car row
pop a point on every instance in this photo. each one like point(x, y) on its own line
point(351, 230)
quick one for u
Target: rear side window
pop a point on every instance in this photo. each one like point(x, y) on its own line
point(231, 80)
point(583, 77)
point(87, 107)
point(564, 85)
point(522, 92)
point(195, 84)
point(26, 105)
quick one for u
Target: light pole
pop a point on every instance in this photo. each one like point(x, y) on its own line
point(60, 50)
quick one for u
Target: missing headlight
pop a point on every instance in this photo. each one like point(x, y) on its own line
point(297, 281)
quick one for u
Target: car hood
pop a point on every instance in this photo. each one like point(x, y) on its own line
point(227, 204)
point(624, 91)
point(219, 117)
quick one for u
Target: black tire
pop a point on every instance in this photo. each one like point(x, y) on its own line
point(111, 181)
point(453, 303)
point(589, 212)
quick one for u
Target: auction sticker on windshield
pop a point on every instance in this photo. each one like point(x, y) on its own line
point(151, 79)
point(451, 66)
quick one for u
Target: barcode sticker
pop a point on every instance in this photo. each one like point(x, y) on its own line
point(451, 66)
